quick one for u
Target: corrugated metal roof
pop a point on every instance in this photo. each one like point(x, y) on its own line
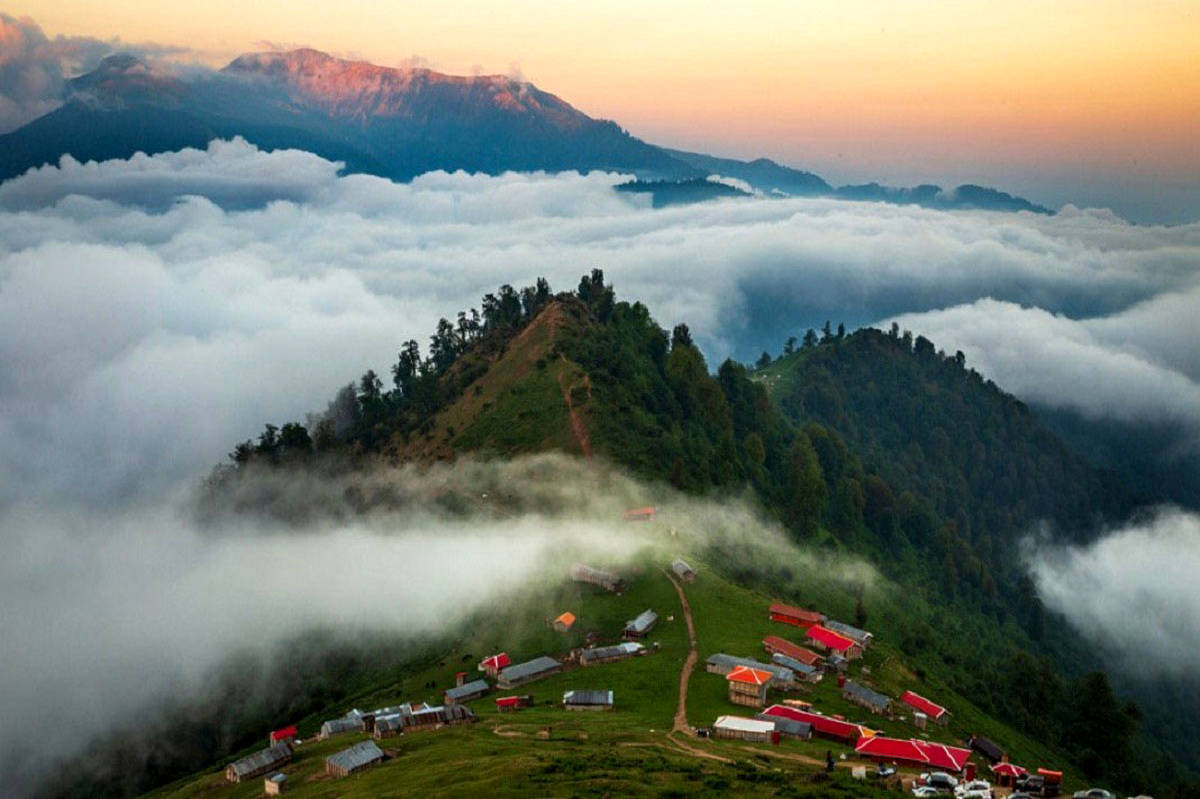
point(591, 575)
point(793, 664)
point(848, 630)
point(627, 649)
point(743, 724)
point(801, 729)
point(467, 689)
point(681, 568)
point(357, 756)
point(529, 668)
point(346, 723)
point(602, 697)
point(866, 695)
point(644, 621)
point(262, 759)
point(781, 673)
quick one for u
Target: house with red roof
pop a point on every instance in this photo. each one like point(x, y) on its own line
point(286, 735)
point(824, 638)
point(492, 665)
point(748, 686)
point(932, 710)
point(926, 754)
point(781, 646)
point(799, 617)
point(825, 726)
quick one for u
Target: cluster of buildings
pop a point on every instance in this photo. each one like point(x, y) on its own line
point(829, 647)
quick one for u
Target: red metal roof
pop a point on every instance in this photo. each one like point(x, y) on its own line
point(929, 753)
point(947, 758)
point(890, 749)
point(745, 674)
point(826, 637)
point(284, 734)
point(495, 662)
point(934, 711)
point(822, 724)
point(639, 514)
point(802, 615)
point(508, 701)
point(1009, 770)
point(786, 647)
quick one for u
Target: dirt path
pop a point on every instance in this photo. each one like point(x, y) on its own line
point(577, 425)
point(681, 722)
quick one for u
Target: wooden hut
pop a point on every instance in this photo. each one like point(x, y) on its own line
point(358, 757)
point(748, 686)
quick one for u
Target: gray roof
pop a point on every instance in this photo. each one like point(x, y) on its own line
point(795, 665)
point(442, 714)
point(866, 695)
point(357, 756)
point(847, 630)
point(627, 649)
point(589, 574)
point(681, 568)
point(782, 673)
point(801, 729)
point(467, 689)
point(278, 776)
point(343, 724)
point(262, 759)
point(644, 621)
point(530, 668)
point(588, 698)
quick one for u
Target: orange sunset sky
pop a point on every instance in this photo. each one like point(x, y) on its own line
point(1092, 102)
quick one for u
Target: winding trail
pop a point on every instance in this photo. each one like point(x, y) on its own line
point(681, 721)
point(577, 426)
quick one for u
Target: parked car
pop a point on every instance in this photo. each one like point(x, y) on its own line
point(925, 790)
point(1036, 785)
point(1094, 793)
point(1020, 795)
point(884, 771)
point(975, 789)
point(939, 780)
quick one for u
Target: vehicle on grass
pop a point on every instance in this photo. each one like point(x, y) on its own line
point(925, 790)
point(1094, 793)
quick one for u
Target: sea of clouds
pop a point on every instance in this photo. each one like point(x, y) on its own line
point(156, 310)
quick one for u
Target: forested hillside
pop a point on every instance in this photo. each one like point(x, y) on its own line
point(874, 445)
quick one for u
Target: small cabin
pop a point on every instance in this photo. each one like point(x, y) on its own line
point(564, 622)
point(275, 784)
point(683, 571)
point(641, 626)
point(588, 700)
point(748, 686)
point(744, 729)
point(358, 757)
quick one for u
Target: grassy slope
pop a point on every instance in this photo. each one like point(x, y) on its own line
point(627, 751)
point(516, 405)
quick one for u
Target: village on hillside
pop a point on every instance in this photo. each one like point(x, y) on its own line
point(808, 693)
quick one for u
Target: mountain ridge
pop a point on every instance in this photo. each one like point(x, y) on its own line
point(396, 123)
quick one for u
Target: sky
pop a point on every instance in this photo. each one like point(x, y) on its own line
point(1092, 103)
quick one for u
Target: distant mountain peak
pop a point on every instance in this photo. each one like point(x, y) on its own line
point(348, 88)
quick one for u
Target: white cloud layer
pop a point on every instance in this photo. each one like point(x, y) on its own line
point(1134, 591)
point(156, 310)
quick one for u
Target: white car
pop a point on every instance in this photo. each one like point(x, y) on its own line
point(925, 790)
point(975, 789)
point(938, 779)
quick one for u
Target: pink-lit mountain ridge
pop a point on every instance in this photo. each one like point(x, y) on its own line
point(392, 122)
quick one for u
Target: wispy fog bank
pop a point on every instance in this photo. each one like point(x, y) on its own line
point(1133, 591)
point(116, 612)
